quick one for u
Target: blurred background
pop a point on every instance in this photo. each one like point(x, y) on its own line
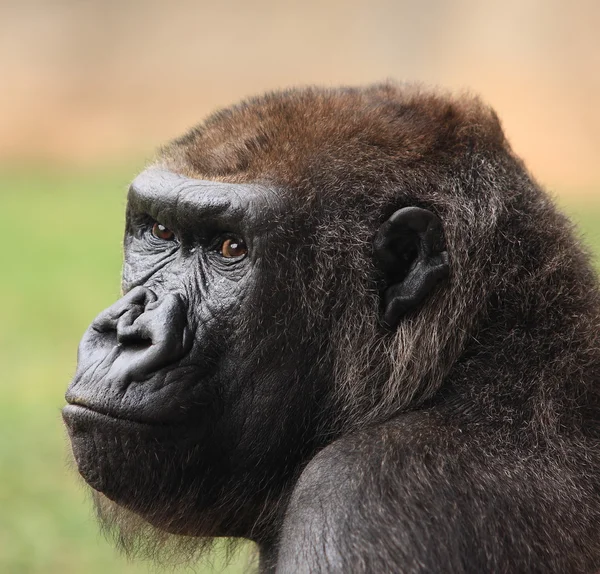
point(88, 88)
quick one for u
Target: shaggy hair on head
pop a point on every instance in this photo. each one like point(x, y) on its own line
point(355, 156)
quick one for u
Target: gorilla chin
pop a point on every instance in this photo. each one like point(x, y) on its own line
point(150, 480)
point(139, 466)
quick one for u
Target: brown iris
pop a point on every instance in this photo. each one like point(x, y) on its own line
point(233, 247)
point(161, 232)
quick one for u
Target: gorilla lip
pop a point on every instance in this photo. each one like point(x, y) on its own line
point(74, 413)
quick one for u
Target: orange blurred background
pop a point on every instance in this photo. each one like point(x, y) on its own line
point(105, 80)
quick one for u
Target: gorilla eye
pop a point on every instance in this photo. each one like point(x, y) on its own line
point(233, 247)
point(161, 232)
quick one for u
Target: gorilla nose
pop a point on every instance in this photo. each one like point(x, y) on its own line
point(144, 320)
point(130, 341)
point(149, 332)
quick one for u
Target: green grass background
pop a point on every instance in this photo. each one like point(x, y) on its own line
point(60, 259)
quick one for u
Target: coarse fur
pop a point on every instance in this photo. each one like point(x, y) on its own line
point(463, 439)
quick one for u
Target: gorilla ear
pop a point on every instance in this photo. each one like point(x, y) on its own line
point(410, 253)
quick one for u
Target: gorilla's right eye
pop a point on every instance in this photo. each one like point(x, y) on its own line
point(161, 232)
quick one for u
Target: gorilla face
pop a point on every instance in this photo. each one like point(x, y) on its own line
point(267, 263)
point(177, 398)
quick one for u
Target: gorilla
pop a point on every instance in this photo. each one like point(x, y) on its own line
point(355, 331)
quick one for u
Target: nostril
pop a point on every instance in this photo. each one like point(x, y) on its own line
point(137, 345)
point(130, 331)
point(133, 339)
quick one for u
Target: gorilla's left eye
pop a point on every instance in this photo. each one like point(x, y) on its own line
point(233, 247)
point(161, 232)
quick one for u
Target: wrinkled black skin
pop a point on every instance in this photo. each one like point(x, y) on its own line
point(173, 359)
point(204, 402)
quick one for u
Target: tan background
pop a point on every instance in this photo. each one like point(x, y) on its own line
point(97, 80)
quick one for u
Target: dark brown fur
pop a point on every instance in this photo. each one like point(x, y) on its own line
point(466, 440)
point(519, 273)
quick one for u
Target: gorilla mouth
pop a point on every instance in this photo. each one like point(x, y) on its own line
point(74, 412)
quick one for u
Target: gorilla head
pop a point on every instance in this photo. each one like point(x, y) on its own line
point(299, 270)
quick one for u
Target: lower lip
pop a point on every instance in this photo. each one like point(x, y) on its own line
point(78, 414)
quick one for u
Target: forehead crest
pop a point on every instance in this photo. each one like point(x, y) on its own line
point(286, 137)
